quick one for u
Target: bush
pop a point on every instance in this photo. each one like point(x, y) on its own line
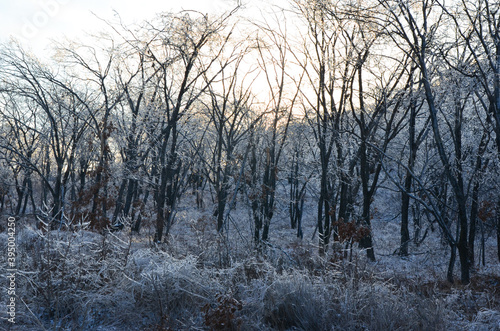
point(98, 282)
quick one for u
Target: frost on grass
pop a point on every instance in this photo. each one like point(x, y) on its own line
point(115, 281)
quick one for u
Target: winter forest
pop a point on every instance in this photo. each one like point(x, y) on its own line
point(330, 165)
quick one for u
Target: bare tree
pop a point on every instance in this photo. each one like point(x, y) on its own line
point(229, 112)
point(282, 90)
point(481, 38)
point(326, 72)
point(415, 28)
point(177, 46)
point(56, 118)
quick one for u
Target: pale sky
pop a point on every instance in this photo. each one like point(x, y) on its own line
point(35, 22)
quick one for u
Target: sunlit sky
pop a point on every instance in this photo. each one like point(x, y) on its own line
point(36, 22)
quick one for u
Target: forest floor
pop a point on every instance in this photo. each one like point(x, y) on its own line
point(201, 280)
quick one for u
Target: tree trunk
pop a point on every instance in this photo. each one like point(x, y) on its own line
point(131, 192)
point(119, 202)
point(323, 209)
point(366, 242)
point(456, 183)
point(498, 228)
point(451, 264)
point(405, 207)
point(473, 221)
point(405, 199)
point(137, 224)
point(160, 197)
point(475, 195)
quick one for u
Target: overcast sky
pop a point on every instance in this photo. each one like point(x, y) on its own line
point(36, 22)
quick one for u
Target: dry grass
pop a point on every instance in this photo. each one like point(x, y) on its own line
point(87, 281)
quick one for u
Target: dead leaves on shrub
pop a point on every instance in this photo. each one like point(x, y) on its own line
point(222, 315)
